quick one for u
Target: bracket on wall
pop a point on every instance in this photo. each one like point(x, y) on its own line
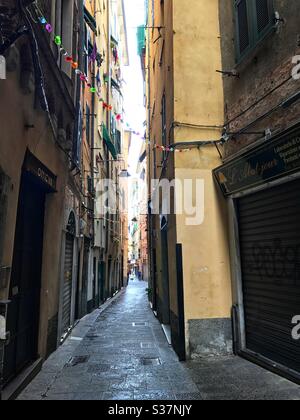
point(159, 36)
point(231, 73)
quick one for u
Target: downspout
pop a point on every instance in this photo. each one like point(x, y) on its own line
point(78, 87)
point(108, 230)
point(150, 224)
point(94, 116)
point(77, 138)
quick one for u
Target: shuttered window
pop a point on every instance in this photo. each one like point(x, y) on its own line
point(262, 14)
point(243, 27)
point(254, 20)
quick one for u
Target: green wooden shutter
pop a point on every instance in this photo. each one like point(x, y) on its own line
point(264, 17)
point(242, 26)
point(254, 20)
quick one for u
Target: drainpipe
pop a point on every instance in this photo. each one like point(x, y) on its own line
point(77, 135)
point(78, 87)
point(94, 116)
point(108, 230)
point(150, 224)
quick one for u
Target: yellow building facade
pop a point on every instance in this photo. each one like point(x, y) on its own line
point(110, 151)
point(190, 267)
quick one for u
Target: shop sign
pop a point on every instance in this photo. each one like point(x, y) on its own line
point(39, 170)
point(272, 160)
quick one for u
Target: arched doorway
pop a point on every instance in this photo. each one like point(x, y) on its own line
point(68, 274)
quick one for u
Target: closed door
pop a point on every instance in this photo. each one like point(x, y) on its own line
point(165, 310)
point(85, 277)
point(94, 283)
point(101, 283)
point(68, 282)
point(269, 223)
point(24, 310)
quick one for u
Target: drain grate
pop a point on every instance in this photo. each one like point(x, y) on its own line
point(150, 361)
point(92, 336)
point(147, 345)
point(99, 369)
point(78, 360)
point(140, 324)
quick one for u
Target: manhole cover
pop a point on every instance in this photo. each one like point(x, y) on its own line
point(150, 361)
point(78, 360)
point(139, 324)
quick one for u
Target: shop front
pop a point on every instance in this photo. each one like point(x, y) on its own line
point(262, 186)
point(70, 271)
point(23, 316)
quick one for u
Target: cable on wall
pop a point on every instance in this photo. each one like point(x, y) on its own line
point(39, 76)
point(258, 101)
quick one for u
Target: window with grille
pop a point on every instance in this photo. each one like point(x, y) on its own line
point(254, 20)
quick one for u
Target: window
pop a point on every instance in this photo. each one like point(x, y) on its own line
point(87, 44)
point(65, 28)
point(254, 20)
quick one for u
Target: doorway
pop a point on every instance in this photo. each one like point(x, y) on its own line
point(101, 281)
point(77, 295)
point(165, 310)
point(85, 277)
point(95, 294)
point(25, 288)
point(68, 283)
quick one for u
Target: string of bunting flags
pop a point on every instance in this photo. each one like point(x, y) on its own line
point(171, 149)
point(84, 78)
point(69, 59)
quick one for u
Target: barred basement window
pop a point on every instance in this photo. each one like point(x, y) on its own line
point(254, 21)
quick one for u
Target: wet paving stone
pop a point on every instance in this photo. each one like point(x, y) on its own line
point(189, 397)
point(118, 396)
point(124, 355)
point(154, 396)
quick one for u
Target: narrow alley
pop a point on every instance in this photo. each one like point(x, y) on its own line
point(149, 201)
point(122, 354)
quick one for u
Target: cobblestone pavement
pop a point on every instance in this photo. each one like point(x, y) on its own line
point(122, 354)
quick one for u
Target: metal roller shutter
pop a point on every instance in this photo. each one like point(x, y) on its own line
point(269, 223)
point(67, 292)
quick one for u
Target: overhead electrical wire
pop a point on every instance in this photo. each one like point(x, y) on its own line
point(40, 76)
point(258, 101)
point(190, 145)
point(265, 115)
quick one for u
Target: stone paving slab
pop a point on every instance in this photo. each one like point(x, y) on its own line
point(118, 346)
